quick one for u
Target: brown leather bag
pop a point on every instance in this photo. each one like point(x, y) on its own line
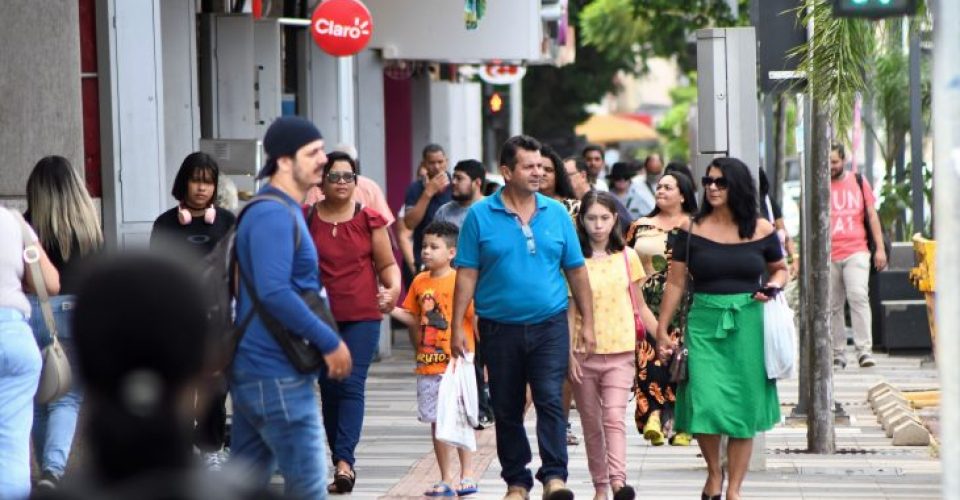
point(55, 376)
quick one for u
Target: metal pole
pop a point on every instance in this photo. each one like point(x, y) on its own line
point(802, 137)
point(916, 132)
point(869, 143)
point(946, 152)
point(769, 150)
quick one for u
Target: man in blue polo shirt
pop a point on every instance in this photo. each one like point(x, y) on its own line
point(514, 249)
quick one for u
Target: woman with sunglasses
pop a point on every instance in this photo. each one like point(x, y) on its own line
point(362, 280)
point(675, 203)
point(728, 250)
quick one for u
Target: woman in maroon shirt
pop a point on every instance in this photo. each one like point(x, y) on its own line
point(362, 280)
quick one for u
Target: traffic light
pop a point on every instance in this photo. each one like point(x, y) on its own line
point(874, 9)
point(495, 103)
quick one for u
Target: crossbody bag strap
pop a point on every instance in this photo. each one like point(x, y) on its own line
point(31, 256)
point(633, 295)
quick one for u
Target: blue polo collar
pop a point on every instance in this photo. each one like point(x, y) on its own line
point(496, 201)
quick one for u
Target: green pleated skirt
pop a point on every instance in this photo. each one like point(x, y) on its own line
point(727, 391)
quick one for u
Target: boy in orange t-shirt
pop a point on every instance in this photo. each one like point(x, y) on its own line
point(428, 310)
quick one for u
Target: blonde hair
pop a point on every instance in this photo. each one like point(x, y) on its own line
point(60, 208)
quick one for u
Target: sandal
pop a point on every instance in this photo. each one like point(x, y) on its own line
point(466, 487)
point(440, 489)
point(342, 482)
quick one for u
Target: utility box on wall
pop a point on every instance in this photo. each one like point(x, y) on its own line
point(727, 107)
point(240, 68)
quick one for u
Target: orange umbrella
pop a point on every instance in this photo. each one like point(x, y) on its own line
point(605, 129)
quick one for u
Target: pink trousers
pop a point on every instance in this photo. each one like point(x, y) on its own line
point(601, 397)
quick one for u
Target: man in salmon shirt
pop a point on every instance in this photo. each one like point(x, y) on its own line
point(850, 205)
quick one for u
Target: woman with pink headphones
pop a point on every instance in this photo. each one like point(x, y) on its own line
point(187, 232)
point(193, 227)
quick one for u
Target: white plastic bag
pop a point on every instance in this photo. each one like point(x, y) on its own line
point(457, 404)
point(778, 338)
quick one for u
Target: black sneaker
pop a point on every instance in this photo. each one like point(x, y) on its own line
point(839, 363)
point(866, 360)
point(48, 481)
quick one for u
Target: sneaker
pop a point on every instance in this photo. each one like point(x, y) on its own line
point(48, 481)
point(556, 489)
point(866, 360)
point(215, 461)
point(681, 439)
point(572, 439)
point(839, 363)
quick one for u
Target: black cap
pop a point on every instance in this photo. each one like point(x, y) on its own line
point(285, 136)
point(621, 170)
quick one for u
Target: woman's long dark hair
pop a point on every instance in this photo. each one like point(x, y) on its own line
point(561, 183)
point(685, 186)
point(741, 196)
point(615, 243)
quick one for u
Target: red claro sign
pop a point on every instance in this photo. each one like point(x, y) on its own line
point(341, 27)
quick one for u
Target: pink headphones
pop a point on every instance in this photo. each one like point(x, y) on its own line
point(185, 218)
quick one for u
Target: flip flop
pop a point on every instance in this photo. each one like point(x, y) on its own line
point(466, 487)
point(440, 489)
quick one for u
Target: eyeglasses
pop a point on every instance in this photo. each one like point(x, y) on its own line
point(336, 177)
point(528, 234)
point(720, 183)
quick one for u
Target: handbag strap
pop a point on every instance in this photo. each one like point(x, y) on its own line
point(633, 295)
point(31, 256)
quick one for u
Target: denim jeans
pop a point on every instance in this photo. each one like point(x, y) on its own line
point(344, 401)
point(19, 374)
point(517, 355)
point(54, 424)
point(276, 423)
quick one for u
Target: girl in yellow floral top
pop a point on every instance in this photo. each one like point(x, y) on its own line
point(602, 380)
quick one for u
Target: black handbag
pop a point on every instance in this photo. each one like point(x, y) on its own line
point(678, 364)
point(303, 355)
point(678, 360)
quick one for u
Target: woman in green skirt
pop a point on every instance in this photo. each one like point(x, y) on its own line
point(735, 264)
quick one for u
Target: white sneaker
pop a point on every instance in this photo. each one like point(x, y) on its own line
point(216, 460)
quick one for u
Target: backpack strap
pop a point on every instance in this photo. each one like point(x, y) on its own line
point(272, 197)
point(245, 322)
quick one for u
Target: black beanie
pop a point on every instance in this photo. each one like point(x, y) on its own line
point(285, 136)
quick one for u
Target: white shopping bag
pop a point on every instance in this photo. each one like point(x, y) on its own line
point(457, 404)
point(778, 338)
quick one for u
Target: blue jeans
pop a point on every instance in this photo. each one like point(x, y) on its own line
point(276, 423)
point(343, 402)
point(19, 374)
point(54, 424)
point(517, 355)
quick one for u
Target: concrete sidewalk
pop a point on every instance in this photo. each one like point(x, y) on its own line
point(395, 457)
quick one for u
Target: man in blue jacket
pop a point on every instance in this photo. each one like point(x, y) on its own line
point(276, 421)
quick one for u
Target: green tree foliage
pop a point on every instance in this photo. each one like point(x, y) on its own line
point(613, 36)
point(555, 99)
point(836, 59)
point(629, 32)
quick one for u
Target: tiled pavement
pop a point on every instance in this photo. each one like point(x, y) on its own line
point(394, 459)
